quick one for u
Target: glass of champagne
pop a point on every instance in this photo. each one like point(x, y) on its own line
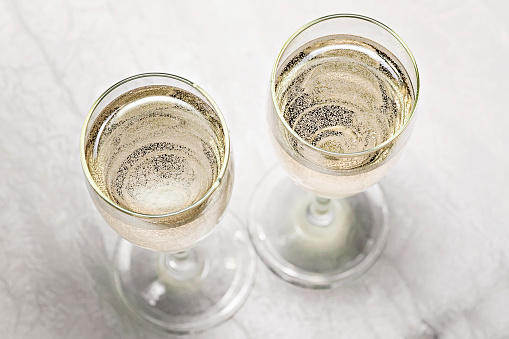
point(156, 153)
point(343, 93)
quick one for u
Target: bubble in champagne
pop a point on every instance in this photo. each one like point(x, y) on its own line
point(156, 149)
point(344, 93)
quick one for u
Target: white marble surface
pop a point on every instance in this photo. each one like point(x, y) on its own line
point(445, 271)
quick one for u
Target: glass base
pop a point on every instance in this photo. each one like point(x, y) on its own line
point(314, 254)
point(190, 291)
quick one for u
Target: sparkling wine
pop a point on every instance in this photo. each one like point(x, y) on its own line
point(344, 93)
point(341, 94)
point(155, 149)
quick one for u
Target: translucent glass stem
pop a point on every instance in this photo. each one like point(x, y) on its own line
point(183, 265)
point(190, 291)
point(320, 212)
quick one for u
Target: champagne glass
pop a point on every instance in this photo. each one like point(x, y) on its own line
point(343, 93)
point(156, 153)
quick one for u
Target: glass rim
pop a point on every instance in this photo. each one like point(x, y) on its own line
point(351, 16)
point(205, 196)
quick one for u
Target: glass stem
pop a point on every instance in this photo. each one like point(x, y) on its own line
point(183, 265)
point(320, 212)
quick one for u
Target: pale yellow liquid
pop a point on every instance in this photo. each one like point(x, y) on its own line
point(154, 151)
point(342, 94)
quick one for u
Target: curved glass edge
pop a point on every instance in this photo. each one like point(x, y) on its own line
point(242, 286)
point(207, 194)
point(336, 16)
point(318, 281)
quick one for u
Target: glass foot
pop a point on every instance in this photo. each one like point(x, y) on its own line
point(316, 253)
point(188, 292)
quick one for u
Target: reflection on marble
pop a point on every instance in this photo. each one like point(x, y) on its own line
point(445, 271)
